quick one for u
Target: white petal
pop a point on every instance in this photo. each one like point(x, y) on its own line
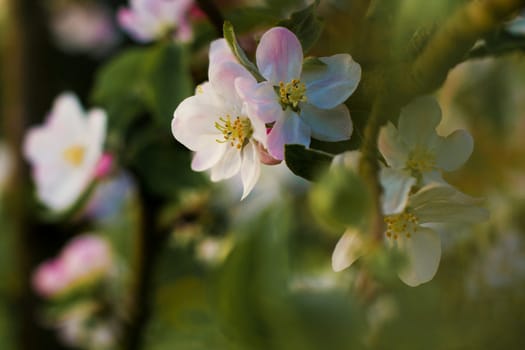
point(223, 76)
point(396, 187)
point(194, 120)
point(220, 52)
point(279, 56)
point(250, 169)
point(290, 130)
point(207, 157)
point(454, 150)
point(261, 100)
point(392, 147)
point(423, 251)
point(228, 166)
point(437, 203)
point(348, 249)
point(330, 85)
point(418, 122)
point(328, 125)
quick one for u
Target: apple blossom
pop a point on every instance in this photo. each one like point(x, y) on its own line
point(410, 231)
point(301, 101)
point(215, 124)
point(65, 151)
point(414, 149)
point(148, 20)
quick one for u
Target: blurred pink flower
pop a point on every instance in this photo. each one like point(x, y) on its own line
point(84, 27)
point(85, 259)
point(104, 166)
point(50, 279)
point(148, 20)
point(65, 151)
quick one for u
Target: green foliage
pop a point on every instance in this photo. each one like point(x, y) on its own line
point(306, 163)
point(162, 164)
point(259, 310)
point(120, 87)
point(229, 35)
point(168, 81)
point(154, 79)
point(306, 25)
point(341, 199)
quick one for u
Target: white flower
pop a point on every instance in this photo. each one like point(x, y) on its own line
point(215, 124)
point(302, 101)
point(409, 231)
point(65, 151)
point(415, 149)
point(148, 20)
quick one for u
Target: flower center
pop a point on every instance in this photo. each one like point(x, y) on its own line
point(292, 93)
point(399, 225)
point(74, 155)
point(421, 160)
point(236, 133)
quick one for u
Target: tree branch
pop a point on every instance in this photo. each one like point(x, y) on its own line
point(452, 42)
point(213, 13)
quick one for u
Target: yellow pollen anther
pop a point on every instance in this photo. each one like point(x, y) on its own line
point(236, 133)
point(292, 93)
point(399, 225)
point(74, 155)
point(421, 160)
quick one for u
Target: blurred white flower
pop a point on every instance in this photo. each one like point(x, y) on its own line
point(148, 20)
point(409, 231)
point(85, 27)
point(65, 151)
point(415, 150)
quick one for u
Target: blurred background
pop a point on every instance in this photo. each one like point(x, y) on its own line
point(210, 271)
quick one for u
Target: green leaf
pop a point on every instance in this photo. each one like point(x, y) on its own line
point(247, 18)
point(162, 164)
point(229, 35)
point(306, 25)
point(306, 163)
point(120, 86)
point(168, 81)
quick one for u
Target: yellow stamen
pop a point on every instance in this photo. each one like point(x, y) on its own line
point(74, 155)
point(399, 225)
point(421, 160)
point(236, 133)
point(292, 93)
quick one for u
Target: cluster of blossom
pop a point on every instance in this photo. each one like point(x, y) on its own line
point(83, 261)
point(415, 194)
point(234, 122)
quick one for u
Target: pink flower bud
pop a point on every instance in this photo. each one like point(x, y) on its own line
point(265, 157)
point(104, 166)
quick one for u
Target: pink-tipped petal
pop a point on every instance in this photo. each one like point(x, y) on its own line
point(261, 100)
point(279, 56)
